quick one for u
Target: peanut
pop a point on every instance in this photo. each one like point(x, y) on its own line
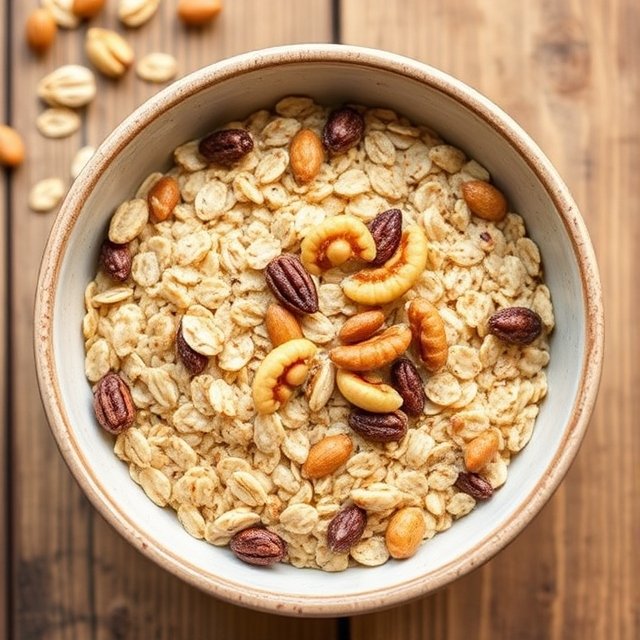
point(195, 13)
point(361, 326)
point(481, 450)
point(282, 325)
point(40, 30)
point(327, 455)
point(163, 198)
point(405, 532)
point(11, 147)
point(306, 155)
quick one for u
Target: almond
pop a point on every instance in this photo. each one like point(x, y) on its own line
point(361, 326)
point(405, 532)
point(40, 30)
point(484, 200)
point(163, 198)
point(481, 450)
point(306, 155)
point(282, 325)
point(327, 456)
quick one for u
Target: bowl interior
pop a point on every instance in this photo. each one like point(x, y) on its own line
point(112, 177)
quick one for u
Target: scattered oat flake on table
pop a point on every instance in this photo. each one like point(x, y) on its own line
point(46, 194)
point(157, 67)
point(58, 122)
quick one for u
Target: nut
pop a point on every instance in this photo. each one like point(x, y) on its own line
point(484, 200)
point(515, 325)
point(306, 155)
point(282, 325)
point(157, 67)
point(368, 391)
point(80, 160)
point(475, 485)
point(258, 546)
point(481, 450)
point(40, 30)
point(346, 528)
point(343, 130)
point(361, 326)
point(11, 147)
point(128, 221)
point(134, 13)
point(71, 85)
point(46, 194)
point(387, 283)
point(195, 363)
point(226, 146)
point(320, 383)
point(291, 284)
point(327, 456)
point(58, 122)
point(112, 404)
point(428, 331)
point(163, 198)
point(195, 13)
point(386, 229)
point(334, 241)
point(374, 352)
point(408, 383)
point(379, 427)
point(62, 12)
point(280, 372)
point(87, 8)
point(405, 532)
point(109, 52)
point(116, 260)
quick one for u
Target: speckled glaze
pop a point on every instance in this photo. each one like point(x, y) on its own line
point(330, 73)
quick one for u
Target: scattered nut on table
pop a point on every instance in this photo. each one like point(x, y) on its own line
point(109, 52)
point(40, 30)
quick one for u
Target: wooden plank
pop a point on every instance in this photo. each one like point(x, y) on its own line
point(74, 577)
point(569, 73)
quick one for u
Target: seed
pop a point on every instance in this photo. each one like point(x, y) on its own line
point(40, 30)
point(195, 13)
point(11, 147)
point(157, 67)
point(46, 194)
point(58, 122)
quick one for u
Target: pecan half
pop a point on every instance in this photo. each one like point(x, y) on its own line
point(516, 325)
point(343, 130)
point(116, 260)
point(346, 528)
point(291, 284)
point(195, 363)
point(475, 485)
point(226, 146)
point(379, 427)
point(408, 383)
point(258, 546)
point(386, 229)
point(113, 404)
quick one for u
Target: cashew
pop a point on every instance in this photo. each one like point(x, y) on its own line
point(374, 352)
point(368, 391)
point(428, 330)
point(334, 241)
point(282, 369)
point(395, 277)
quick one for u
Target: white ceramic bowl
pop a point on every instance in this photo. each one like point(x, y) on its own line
point(332, 74)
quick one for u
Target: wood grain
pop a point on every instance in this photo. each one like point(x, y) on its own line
point(568, 72)
point(73, 576)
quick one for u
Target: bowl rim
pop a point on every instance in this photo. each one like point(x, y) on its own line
point(494, 540)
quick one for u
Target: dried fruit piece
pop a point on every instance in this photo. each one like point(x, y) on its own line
point(134, 13)
point(283, 369)
point(334, 241)
point(195, 363)
point(484, 200)
point(11, 147)
point(387, 283)
point(481, 450)
point(408, 383)
point(226, 146)
point(320, 383)
point(71, 85)
point(386, 229)
point(116, 260)
point(163, 198)
point(515, 325)
point(40, 30)
point(343, 130)
point(87, 8)
point(258, 546)
point(195, 13)
point(113, 404)
point(367, 391)
point(306, 155)
point(428, 331)
point(346, 528)
point(374, 352)
point(475, 485)
point(379, 427)
point(109, 52)
point(282, 325)
point(361, 326)
point(327, 456)
point(405, 532)
point(291, 284)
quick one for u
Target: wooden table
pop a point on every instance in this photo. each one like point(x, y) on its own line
point(569, 72)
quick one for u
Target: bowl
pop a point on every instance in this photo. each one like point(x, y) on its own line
point(332, 74)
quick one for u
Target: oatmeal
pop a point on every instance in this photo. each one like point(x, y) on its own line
point(320, 337)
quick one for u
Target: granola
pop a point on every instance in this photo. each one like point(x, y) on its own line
point(178, 310)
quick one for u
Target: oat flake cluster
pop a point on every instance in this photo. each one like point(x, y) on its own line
point(187, 262)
